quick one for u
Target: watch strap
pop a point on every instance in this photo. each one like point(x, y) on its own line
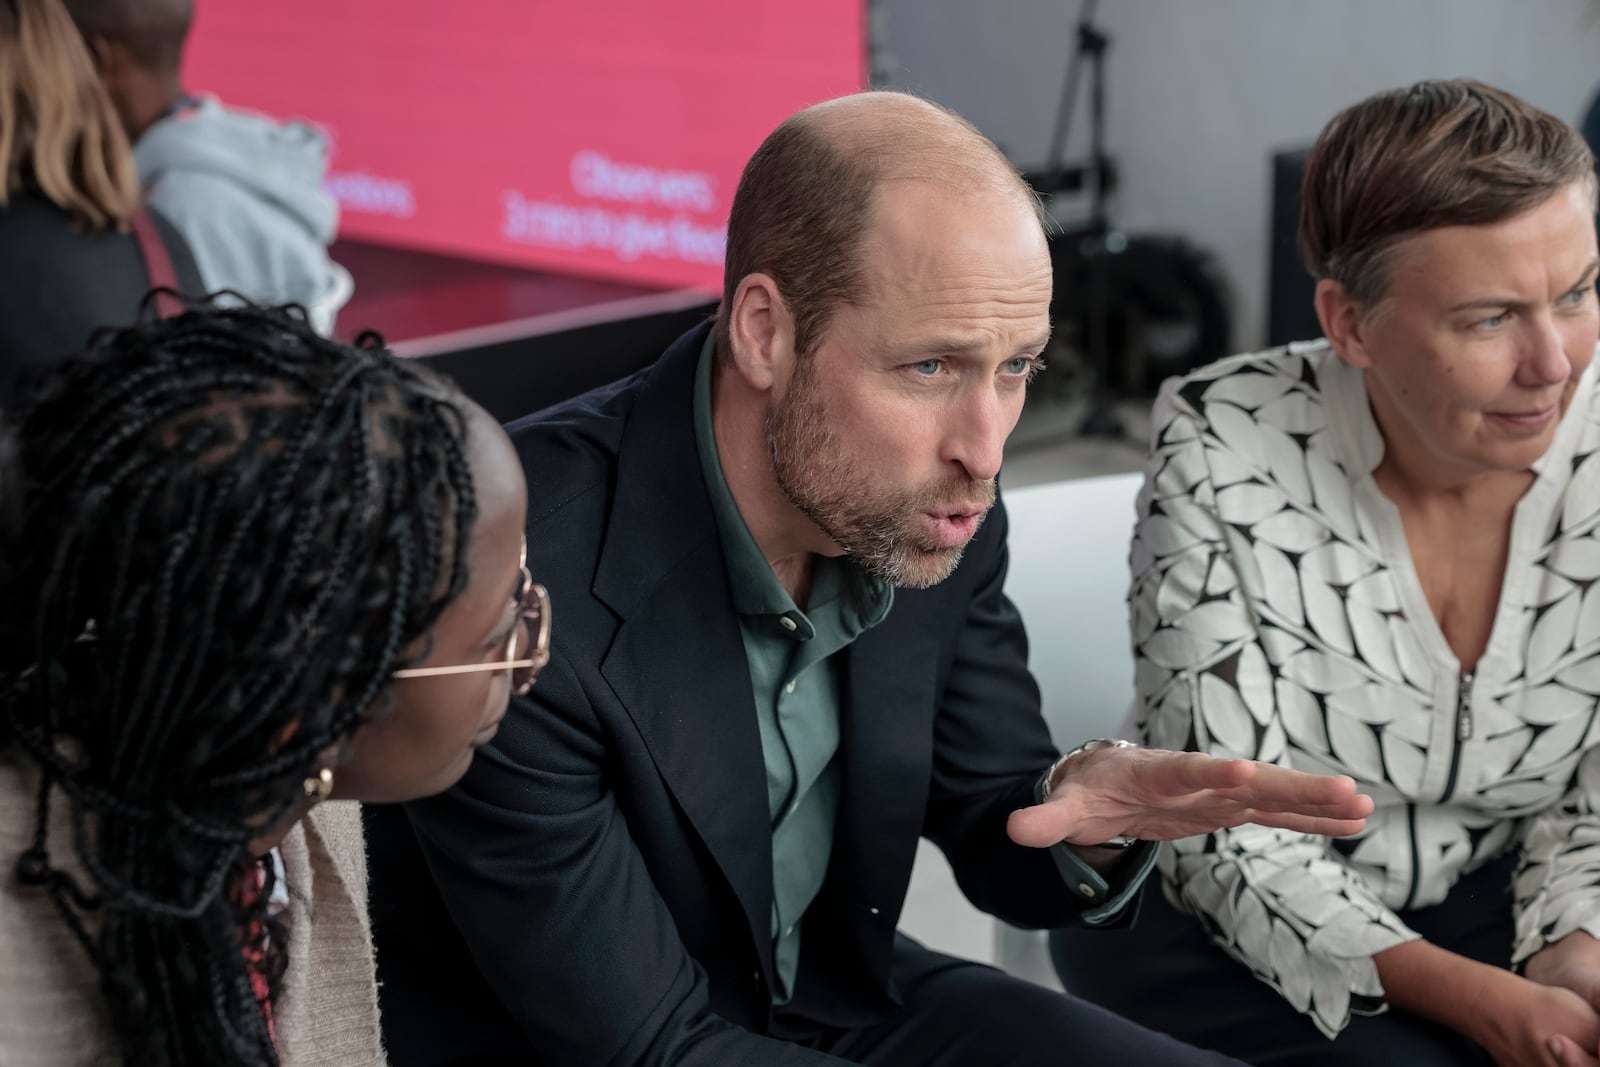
point(1041, 791)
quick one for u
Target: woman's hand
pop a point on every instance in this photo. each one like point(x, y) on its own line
point(1526, 1024)
point(1571, 964)
point(1520, 1022)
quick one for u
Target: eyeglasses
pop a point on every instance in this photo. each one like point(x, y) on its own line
point(533, 610)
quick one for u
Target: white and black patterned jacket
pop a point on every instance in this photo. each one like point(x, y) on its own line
point(1276, 615)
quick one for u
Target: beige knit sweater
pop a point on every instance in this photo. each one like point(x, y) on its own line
point(51, 1014)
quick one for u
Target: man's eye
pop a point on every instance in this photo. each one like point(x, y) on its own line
point(928, 367)
point(1025, 367)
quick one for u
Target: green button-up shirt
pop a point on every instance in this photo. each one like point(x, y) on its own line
point(795, 675)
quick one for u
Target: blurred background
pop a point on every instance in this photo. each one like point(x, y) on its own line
point(534, 193)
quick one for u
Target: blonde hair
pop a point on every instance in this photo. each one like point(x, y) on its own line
point(58, 130)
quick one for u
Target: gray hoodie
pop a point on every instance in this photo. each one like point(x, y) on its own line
point(246, 193)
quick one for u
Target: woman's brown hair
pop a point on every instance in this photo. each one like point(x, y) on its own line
point(1437, 153)
point(59, 134)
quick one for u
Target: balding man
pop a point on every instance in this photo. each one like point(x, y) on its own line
point(784, 655)
point(245, 191)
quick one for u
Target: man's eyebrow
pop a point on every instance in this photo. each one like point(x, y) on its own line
point(929, 347)
point(1489, 303)
point(1037, 344)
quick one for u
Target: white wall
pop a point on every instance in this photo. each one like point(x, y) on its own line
point(1200, 92)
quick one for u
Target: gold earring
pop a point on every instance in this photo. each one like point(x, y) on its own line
point(319, 786)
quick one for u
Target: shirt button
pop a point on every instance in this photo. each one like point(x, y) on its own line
point(788, 931)
point(873, 910)
point(1086, 889)
point(789, 624)
point(789, 688)
point(755, 976)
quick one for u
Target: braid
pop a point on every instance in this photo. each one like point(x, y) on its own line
point(234, 530)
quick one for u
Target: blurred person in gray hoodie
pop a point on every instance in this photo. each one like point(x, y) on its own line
point(243, 189)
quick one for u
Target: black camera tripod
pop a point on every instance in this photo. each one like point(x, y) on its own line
point(1128, 311)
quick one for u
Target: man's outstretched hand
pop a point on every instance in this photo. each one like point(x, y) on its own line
point(1156, 795)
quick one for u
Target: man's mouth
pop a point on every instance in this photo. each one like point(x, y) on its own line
point(952, 527)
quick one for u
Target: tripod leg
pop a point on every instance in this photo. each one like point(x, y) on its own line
point(1102, 419)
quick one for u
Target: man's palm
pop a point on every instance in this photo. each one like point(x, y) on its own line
point(1156, 795)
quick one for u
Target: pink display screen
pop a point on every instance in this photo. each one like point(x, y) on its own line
point(601, 138)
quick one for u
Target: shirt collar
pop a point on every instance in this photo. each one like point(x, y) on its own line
point(756, 589)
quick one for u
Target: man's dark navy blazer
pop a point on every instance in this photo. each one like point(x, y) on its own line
point(601, 881)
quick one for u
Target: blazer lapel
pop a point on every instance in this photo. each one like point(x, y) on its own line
point(678, 663)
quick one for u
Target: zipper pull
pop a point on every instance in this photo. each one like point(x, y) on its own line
point(1464, 708)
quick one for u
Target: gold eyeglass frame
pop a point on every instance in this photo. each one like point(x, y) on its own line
point(533, 608)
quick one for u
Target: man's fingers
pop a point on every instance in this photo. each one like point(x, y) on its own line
point(1041, 825)
point(1282, 789)
point(1176, 773)
point(1044, 825)
point(1181, 772)
point(1257, 785)
point(1356, 806)
point(1166, 795)
point(1322, 826)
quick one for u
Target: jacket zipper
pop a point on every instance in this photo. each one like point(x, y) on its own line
point(1463, 732)
point(1416, 858)
point(1463, 735)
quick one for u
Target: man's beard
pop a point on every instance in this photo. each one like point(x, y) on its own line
point(879, 527)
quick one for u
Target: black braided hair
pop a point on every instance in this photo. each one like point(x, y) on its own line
point(225, 532)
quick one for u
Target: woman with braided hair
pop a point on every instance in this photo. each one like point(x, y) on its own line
point(243, 569)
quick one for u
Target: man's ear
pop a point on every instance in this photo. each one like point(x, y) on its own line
point(1343, 322)
point(102, 51)
point(760, 333)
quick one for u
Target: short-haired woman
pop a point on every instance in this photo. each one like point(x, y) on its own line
point(1376, 555)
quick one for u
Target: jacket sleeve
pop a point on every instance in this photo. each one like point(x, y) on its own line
point(1282, 903)
point(991, 746)
point(1558, 881)
point(536, 864)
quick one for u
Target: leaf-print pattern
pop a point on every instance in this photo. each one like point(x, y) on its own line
point(1275, 616)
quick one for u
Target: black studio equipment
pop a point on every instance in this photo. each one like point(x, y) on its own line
point(1291, 314)
point(1130, 310)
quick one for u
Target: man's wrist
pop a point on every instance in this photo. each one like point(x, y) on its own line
point(1103, 858)
point(1052, 779)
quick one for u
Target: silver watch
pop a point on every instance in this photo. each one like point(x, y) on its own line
point(1042, 791)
